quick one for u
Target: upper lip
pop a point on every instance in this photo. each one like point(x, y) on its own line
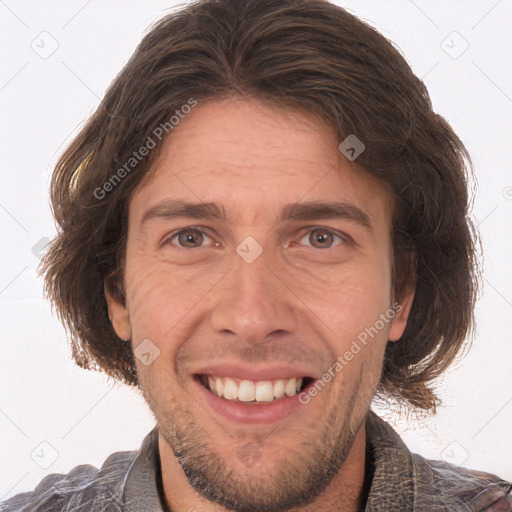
point(261, 372)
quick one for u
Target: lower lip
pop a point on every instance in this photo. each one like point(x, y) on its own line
point(250, 413)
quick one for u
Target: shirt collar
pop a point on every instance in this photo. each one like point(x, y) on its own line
point(394, 479)
point(139, 489)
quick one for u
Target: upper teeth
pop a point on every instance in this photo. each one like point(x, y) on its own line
point(249, 391)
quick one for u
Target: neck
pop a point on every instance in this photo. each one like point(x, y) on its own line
point(345, 493)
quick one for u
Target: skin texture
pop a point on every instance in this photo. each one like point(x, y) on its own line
point(304, 300)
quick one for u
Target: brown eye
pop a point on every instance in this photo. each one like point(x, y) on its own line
point(190, 238)
point(321, 238)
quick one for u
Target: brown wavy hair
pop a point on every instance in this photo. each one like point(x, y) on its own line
point(300, 54)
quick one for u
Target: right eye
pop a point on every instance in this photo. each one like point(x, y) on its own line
point(187, 238)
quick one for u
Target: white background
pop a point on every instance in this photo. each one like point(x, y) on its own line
point(43, 101)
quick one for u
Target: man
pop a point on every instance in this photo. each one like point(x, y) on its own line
point(263, 226)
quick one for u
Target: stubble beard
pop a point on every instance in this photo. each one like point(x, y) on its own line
point(294, 480)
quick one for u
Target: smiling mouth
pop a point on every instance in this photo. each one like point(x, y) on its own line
point(251, 391)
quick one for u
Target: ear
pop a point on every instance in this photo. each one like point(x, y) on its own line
point(402, 311)
point(117, 312)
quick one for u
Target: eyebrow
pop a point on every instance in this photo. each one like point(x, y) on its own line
point(309, 210)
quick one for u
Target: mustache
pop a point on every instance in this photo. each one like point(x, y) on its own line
point(192, 352)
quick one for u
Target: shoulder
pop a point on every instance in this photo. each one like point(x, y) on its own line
point(425, 485)
point(460, 487)
point(84, 488)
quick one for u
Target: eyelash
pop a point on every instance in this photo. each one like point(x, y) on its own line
point(343, 238)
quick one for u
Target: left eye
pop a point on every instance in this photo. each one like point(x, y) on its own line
point(323, 237)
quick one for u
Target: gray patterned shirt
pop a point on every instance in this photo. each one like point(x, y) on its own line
point(400, 481)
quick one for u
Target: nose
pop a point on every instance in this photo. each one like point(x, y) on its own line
point(253, 303)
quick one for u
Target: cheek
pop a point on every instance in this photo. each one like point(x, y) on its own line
point(345, 299)
point(347, 305)
point(161, 297)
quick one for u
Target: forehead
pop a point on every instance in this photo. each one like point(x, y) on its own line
point(254, 158)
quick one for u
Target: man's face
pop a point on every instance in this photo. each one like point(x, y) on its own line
point(221, 314)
